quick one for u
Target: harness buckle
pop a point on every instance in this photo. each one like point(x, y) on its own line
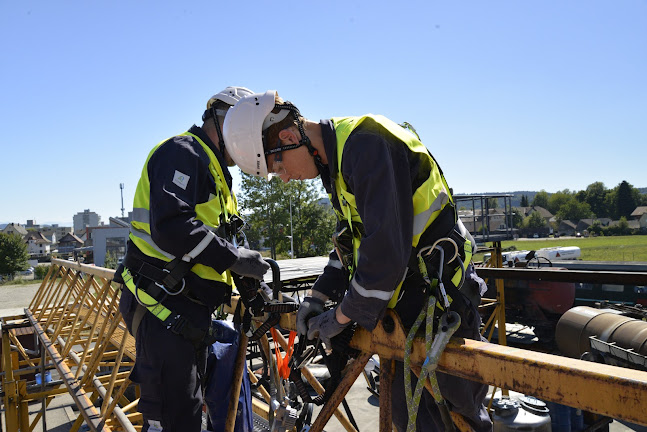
point(177, 325)
point(170, 292)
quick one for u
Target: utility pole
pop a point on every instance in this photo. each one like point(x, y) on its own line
point(291, 233)
point(121, 186)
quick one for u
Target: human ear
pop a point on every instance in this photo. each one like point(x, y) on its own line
point(287, 135)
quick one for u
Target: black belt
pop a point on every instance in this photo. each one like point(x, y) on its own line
point(171, 277)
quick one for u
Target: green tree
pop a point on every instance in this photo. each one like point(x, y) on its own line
point(541, 199)
point(517, 219)
point(266, 208)
point(596, 228)
point(595, 195)
point(110, 260)
point(558, 199)
point(13, 254)
point(41, 271)
point(259, 203)
point(534, 220)
point(492, 203)
point(625, 199)
point(574, 210)
point(524, 201)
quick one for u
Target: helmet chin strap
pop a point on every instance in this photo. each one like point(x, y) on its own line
point(304, 138)
point(221, 140)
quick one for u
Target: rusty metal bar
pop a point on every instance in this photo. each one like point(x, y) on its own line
point(609, 390)
point(619, 393)
point(387, 370)
point(555, 275)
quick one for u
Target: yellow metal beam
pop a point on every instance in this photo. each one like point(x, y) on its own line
point(608, 390)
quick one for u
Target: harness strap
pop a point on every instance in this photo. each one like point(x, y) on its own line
point(174, 322)
point(169, 279)
point(137, 318)
point(434, 346)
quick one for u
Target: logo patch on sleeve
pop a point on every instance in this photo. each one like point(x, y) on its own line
point(181, 179)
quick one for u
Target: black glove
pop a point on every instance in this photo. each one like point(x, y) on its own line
point(325, 327)
point(249, 264)
point(310, 307)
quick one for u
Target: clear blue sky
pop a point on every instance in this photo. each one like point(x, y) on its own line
point(508, 95)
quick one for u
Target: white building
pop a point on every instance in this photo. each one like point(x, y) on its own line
point(37, 244)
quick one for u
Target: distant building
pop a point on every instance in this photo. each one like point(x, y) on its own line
point(585, 224)
point(55, 232)
point(478, 220)
point(639, 212)
point(31, 224)
point(525, 212)
point(125, 219)
point(567, 228)
point(109, 239)
point(67, 244)
point(15, 228)
point(83, 220)
point(37, 244)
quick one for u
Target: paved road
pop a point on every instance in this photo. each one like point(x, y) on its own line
point(14, 298)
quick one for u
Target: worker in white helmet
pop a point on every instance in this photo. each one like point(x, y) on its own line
point(392, 202)
point(183, 251)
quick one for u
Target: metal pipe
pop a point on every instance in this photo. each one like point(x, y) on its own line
point(577, 325)
point(42, 386)
point(555, 275)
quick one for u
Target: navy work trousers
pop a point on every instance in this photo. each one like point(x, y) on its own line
point(168, 370)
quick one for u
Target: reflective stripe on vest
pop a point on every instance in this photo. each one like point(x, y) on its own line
point(428, 199)
point(155, 307)
point(209, 213)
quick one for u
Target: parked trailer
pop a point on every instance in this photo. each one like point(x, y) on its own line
point(559, 253)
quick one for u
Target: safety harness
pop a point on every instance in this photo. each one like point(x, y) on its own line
point(151, 299)
point(450, 321)
point(154, 285)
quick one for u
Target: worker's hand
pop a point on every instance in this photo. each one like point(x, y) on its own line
point(325, 326)
point(309, 308)
point(250, 264)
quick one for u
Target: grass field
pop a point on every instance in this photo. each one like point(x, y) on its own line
point(620, 248)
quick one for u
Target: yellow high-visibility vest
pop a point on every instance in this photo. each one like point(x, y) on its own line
point(429, 199)
point(212, 213)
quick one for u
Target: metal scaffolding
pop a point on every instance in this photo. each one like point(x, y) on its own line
point(81, 335)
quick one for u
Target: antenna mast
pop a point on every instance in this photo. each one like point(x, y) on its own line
point(121, 186)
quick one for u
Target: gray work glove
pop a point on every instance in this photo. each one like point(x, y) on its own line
point(250, 264)
point(309, 308)
point(325, 327)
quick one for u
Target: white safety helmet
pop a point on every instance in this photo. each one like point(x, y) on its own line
point(243, 131)
point(229, 95)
